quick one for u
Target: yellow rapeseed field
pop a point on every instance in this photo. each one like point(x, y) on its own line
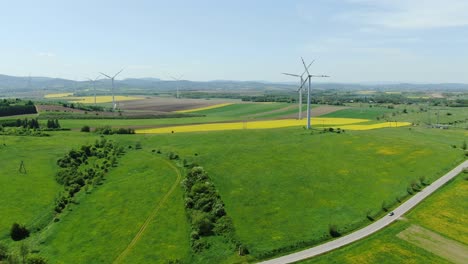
point(250, 125)
point(375, 126)
point(203, 108)
point(57, 95)
point(101, 99)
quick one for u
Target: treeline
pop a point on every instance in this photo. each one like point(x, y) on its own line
point(32, 123)
point(107, 130)
point(205, 210)
point(16, 107)
point(84, 168)
point(87, 107)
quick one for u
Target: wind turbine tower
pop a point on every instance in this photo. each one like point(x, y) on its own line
point(94, 87)
point(309, 76)
point(177, 79)
point(114, 105)
point(300, 88)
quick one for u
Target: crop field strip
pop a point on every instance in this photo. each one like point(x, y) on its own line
point(101, 99)
point(203, 108)
point(343, 123)
point(58, 95)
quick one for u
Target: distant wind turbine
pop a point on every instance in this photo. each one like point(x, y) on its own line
point(112, 79)
point(94, 87)
point(177, 79)
point(309, 76)
point(300, 88)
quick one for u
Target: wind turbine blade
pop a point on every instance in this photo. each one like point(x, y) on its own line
point(304, 82)
point(290, 74)
point(180, 77)
point(97, 78)
point(303, 62)
point(302, 75)
point(319, 76)
point(118, 73)
point(106, 75)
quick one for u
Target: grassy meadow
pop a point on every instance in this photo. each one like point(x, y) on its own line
point(28, 198)
point(444, 213)
point(106, 220)
point(294, 187)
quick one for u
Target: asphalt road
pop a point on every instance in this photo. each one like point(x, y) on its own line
point(375, 226)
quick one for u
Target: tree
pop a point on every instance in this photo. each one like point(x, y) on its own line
point(85, 129)
point(464, 145)
point(18, 232)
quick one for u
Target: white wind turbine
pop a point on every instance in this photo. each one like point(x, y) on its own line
point(309, 76)
point(112, 79)
point(300, 88)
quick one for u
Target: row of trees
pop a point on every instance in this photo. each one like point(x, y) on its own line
point(16, 107)
point(32, 123)
point(205, 209)
point(77, 172)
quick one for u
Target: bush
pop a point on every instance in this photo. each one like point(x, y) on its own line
point(36, 259)
point(202, 223)
point(85, 129)
point(18, 232)
point(333, 230)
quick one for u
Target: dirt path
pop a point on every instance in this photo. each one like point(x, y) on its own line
point(448, 249)
point(150, 218)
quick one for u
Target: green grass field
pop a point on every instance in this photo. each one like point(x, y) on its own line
point(363, 111)
point(445, 212)
point(285, 186)
point(281, 186)
point(28, 198)
point(106, 220)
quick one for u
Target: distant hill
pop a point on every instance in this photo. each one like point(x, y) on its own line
point(15, 84)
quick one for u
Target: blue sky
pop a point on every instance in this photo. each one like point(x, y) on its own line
point(351, 40)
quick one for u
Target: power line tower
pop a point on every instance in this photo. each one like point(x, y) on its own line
point(22, 168)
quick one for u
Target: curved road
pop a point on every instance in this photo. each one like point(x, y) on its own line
point(374, 227)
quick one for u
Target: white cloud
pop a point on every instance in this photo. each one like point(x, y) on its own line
point(46, 54)
point(409, 14)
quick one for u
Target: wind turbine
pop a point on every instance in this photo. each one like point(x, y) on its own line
point(94, 87)
point(177, 79)
point(300, 88)
point(309, 76)
point(112, 79)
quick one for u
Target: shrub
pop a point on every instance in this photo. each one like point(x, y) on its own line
point(202, 223)
point(18, 232)
point(333, 230)
point(85, 129)
point(36, 259)
point(138, 145)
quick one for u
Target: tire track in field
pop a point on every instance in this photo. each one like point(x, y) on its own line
point(153, 214)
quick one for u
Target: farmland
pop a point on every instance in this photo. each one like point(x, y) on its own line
point(282, 186)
